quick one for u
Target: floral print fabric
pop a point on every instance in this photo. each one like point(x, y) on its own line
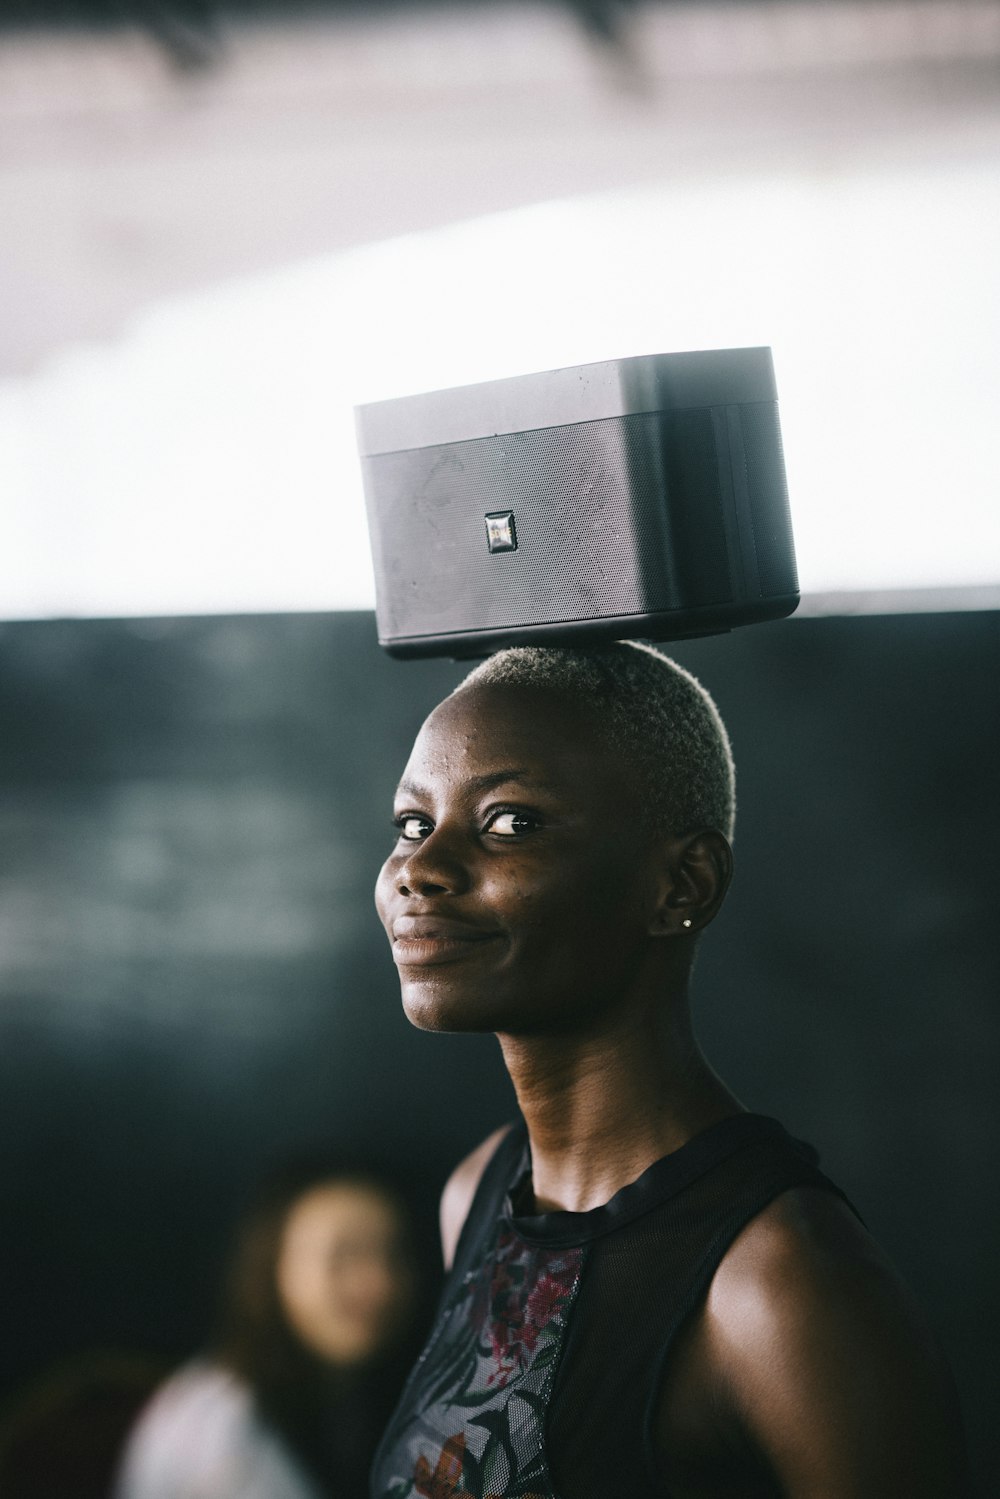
point(471, 1421)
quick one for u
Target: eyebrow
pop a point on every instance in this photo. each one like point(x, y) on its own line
point(480, 783)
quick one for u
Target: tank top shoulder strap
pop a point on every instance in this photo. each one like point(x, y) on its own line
point(503, 1166)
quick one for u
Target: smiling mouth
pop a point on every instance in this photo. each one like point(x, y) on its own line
point(428, 944)
point(424, 952)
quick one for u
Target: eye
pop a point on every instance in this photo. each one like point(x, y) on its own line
point(411, 826)
point(511, 824)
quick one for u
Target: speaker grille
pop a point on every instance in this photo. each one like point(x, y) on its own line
point(770, 516)
point(613, 517)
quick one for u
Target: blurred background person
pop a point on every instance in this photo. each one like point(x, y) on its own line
point(290, 1398)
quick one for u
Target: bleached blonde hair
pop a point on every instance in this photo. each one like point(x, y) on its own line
point(651, 709)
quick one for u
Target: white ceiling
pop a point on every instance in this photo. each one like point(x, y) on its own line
point(123, 181)
point(203, 272)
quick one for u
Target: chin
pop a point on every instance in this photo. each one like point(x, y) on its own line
point(437, 1007)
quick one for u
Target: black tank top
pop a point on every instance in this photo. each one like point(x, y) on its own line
point(540, 1376)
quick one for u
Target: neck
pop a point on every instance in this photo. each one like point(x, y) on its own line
point(600, 1108)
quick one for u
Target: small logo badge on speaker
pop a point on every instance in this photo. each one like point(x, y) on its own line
point(500, 533)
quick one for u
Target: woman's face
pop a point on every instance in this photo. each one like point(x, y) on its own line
point(519, 892)
point(341, 1278)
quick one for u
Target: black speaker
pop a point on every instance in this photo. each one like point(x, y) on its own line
point(635, 498)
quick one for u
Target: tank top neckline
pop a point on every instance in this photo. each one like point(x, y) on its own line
point(664, 1179)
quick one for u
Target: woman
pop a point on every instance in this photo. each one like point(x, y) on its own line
point(290, 1402)
point(652, 1290)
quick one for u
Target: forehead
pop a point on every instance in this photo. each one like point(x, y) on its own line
point(490, 728)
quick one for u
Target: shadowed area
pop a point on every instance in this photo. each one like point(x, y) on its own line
point(194, 981)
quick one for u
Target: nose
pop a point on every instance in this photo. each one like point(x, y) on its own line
point(433, 866)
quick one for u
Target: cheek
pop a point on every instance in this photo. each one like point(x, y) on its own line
point(567, 895)
point(519, 896)
point(384, 887)
point(581, 919)
point(550, 921)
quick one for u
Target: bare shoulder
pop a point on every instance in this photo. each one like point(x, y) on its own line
point(805, 1242)
point(460, 1189)
point(825, 1360)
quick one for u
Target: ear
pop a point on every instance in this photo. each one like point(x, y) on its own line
point(694, 877)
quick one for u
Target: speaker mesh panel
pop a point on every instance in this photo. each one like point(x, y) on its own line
point(593, 533)
point(770, 514)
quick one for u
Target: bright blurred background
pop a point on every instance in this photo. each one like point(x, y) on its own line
point(223, 229)
point(222, 226)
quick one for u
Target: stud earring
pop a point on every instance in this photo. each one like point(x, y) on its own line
point(686, 922)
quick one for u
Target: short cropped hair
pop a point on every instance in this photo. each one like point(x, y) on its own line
point(648, 707)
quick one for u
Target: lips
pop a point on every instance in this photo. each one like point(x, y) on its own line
point(425, 940)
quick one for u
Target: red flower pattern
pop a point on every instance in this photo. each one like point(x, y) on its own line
point(446, 1479)
point(513, 1309)
point(516, 1321)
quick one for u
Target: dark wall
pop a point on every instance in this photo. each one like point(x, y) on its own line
point(194, 984)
